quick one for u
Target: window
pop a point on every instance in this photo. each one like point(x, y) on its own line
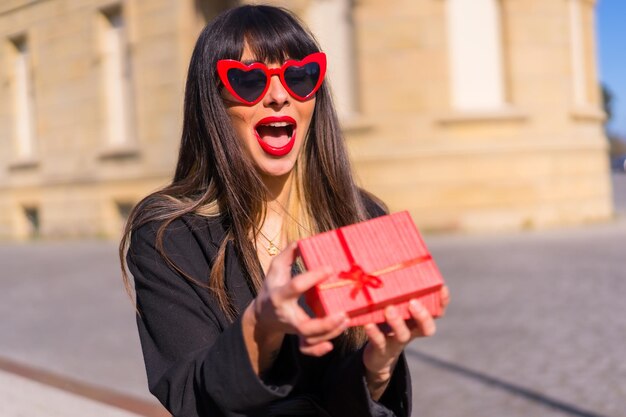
point(331, 22)
point(123, 210)
point(23, 99)
point(116, 77)
point(32, 222)
point(475, 47)
point(584, 77)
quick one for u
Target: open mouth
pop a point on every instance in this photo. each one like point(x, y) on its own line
point(276, 135)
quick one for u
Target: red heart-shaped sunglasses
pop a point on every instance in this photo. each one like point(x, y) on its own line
point(249, 83)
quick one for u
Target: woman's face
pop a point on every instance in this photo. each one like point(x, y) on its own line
point(272, 130)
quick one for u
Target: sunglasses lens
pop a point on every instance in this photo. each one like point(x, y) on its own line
point(302, 79)
point(248, 84)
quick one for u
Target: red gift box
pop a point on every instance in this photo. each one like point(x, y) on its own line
point(379, 262)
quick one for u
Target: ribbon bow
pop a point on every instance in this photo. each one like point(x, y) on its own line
point(362, 280)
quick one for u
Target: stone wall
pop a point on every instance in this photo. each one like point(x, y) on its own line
point(538, 160)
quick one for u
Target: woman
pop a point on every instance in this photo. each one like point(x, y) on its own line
point(262, 163)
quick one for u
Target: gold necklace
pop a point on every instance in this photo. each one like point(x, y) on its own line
point(292, 218)
point(272, 249)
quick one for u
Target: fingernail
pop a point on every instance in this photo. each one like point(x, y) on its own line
point(392, 312)
point(340, 317)
point(417, 306)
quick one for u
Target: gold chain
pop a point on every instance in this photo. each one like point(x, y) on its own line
point(292, 218)
point(272, 249)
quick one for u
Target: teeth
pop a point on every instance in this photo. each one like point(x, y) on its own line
point(278, 124)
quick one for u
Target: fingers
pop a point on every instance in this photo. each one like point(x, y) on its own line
point(303, 282)
point(375, 336)
point(400, 331)
point(445, 299)
point(281, 263)
point(425, 324)
point(382, 350)
point(319, 349)
point(315, 334)
point(287, 256)
point(314, 331)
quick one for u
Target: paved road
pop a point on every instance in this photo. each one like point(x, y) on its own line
point(537, 326)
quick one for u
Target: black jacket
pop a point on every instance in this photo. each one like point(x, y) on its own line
point(196, 360)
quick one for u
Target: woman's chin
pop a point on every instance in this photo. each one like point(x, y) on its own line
point(274, 172)
point(275, 168)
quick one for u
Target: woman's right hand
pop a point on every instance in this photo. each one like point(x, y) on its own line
point(277, 312)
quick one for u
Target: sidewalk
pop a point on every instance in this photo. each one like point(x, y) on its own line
point(21, 397)
point(28, 391)
point(535, 328)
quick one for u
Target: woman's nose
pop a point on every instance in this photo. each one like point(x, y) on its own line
point(276, 94)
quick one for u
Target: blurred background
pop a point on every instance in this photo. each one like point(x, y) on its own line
point(500, 125)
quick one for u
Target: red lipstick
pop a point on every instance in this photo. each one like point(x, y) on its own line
point(276, 134)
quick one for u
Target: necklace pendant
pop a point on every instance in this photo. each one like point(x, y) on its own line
point(272, 249)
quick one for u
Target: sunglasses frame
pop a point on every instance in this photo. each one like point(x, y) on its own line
point(224, 65)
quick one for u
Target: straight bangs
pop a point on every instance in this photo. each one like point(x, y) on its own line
point(273, 35)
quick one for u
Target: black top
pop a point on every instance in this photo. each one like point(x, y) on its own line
point(196, 360)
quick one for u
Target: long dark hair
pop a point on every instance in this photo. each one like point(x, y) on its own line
point(214, 175)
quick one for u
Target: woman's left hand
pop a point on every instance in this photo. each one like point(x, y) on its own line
point(383, 350)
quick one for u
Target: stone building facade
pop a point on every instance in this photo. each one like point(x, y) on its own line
point(473, 114)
